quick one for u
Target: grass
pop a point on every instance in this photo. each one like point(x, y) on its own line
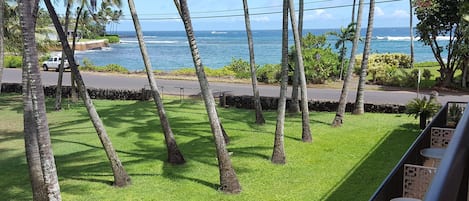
point(346, 163)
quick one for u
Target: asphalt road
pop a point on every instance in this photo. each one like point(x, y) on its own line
point(188, 88)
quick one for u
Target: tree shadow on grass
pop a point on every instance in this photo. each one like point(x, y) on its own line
point(367, 175)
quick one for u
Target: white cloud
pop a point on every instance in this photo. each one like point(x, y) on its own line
point(378, 12)
point(319, 14)
point(400, 13)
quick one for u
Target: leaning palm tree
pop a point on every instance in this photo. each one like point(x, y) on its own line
point(278, 154)
point(359, 102)
point(257, 100)
point(38, 130)
point(58, 91)
point(121, 178)
point(338, 119)
point(174, 155)
point(294, 107)
point(306, 130)
point(228, 180)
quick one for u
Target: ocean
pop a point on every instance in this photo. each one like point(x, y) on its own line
point(169, 50)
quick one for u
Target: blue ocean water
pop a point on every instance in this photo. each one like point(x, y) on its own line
point(169, 50)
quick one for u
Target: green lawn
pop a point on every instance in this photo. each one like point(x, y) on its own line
point(346, 163)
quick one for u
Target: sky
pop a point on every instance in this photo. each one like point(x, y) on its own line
point(215, 15)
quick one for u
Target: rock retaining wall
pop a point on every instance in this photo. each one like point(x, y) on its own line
point(270, 103)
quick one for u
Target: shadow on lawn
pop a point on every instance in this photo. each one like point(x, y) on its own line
point(362, 181)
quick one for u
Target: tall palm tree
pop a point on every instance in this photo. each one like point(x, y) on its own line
point(174, 155)
point(121, 178)
point(294, 107)
point(411, 31)
point(2, 53)
point(359, 101)
point(35, 99)
point(306, 130)
point(353, 10)
point(338, 119)
point(228, 180)
point(257, 100)
point(278, 155)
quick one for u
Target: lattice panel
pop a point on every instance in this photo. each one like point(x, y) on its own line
point(417, 180)
point(440, 137)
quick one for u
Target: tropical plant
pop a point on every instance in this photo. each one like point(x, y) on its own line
point(306, 130)
point(359, 106)
point(174, 154)
point(442, 18)
point(228, 180)
point(269, 73)
point(43, 172)
point(121, 178)
point(257, 100)
point(278, 153)
point(346, 34)
point(338, 119)
point(455, 112)
point(422, 108)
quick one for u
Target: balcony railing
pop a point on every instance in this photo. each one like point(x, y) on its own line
point(450, 182)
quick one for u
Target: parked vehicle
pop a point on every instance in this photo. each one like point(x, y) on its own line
point(54, 63)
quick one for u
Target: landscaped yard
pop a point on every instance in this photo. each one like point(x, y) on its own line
point(346, 163)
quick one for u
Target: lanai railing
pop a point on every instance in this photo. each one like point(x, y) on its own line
point(450, 182)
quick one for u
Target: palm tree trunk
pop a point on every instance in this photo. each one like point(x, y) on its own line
point(278, 155)
point(58, 93)
point(294, 107)
point(257, 100)
point(36, 101)
point(174, 154)
point(338, 119)
point(359, 102)
point(2, 50)
point(353, 10)
point(411, 31)
point(228, 180)
point(306, 131)
point(121, 178)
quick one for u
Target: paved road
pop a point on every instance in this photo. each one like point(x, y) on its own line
point(185, 87)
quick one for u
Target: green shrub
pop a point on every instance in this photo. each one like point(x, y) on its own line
point(269, 73)
point(89, 66)
point(184, 71)
point(427, 74)
point(221, 72)
point(241, 68)
point(110, 38)
point(13, 61)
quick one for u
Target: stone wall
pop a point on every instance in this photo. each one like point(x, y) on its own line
point(111, 94)
point(270, 103)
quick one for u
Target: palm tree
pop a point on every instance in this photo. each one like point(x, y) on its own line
point(121, 178)
point(228, 180)
point(359, 102)
point(58, 93)
point(338, 119)
point(38, 129)
point(346, 34)
point(306, 131)
point(278, 155)
point(257, 100)
point(294, 107)
point(353, 10)
point(411, 31)
point(2, 53)
point(174, 155)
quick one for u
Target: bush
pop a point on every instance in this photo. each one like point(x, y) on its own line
point(89, 66)
point(269, 73)
point(427, 74)
point(241, 68)
point(13, 62)
point(110, 38)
